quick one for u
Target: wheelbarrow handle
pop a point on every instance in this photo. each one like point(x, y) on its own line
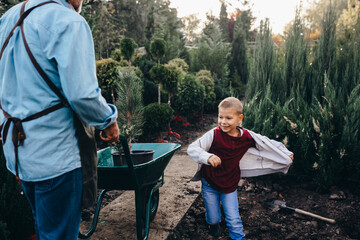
point(314, 215)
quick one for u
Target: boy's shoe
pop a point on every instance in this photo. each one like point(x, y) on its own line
point(215, 230)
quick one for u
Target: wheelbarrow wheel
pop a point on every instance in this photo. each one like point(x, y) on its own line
point(154, 203)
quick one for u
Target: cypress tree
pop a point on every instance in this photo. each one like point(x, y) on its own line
point(296, 62)
point(224, 21)
point(238, 56)
point(325, 55)
point(263, 64)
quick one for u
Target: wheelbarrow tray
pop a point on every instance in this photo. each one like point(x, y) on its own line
point(121, 178)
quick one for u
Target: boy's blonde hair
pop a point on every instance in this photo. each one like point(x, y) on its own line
point(232, 102)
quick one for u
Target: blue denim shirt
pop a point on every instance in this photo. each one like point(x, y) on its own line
point(61, 42)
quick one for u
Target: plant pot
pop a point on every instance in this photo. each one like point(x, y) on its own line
point(137, 156)
point(117, 159)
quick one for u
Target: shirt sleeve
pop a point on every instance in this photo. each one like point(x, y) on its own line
point(198, 150)
point(281, 147)
point(73, 50)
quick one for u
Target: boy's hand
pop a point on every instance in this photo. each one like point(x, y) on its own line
point(292, 157)
point(214, 161)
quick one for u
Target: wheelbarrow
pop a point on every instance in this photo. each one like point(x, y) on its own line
point(145, 179)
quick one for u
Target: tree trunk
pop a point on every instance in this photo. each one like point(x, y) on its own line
point(159, 87)
point(159, 93)
point(112, 95)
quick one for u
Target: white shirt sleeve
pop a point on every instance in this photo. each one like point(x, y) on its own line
point(198, 150)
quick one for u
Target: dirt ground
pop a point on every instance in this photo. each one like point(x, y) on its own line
point(260, 222)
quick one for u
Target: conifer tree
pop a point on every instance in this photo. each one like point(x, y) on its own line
point(157, 50)
point(296, 62)
point(224, 21)
point(263, 64)
point(325, 55)
point(238, 57)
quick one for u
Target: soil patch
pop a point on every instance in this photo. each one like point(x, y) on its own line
point(260, 222)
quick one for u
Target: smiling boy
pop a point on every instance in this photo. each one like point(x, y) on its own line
point(219, 152)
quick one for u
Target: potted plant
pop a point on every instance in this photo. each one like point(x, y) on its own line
point(130, 116)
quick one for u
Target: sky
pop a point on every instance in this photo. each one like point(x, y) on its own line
point(279, 12)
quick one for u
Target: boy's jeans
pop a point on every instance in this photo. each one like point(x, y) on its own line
point(56, 206)
point(230, 205)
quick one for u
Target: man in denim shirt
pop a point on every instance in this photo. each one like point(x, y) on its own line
point(48, 160)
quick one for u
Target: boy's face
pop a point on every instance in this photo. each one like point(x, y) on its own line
point(228, 120)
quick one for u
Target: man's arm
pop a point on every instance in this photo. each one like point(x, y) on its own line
point(73, 50)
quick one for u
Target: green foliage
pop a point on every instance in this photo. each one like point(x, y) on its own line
point(150, 92)
point(129, 105)
point(330, 116)
point(107, 75)
point(157, 48)
point(116, 55)
point(16, 220)
point(325, 55)
point(207, 81)
point(238, 63)
point(179, 64)
point(312, 105)
point(263, 65)
point(159, 74)
point(104, 26)
point(212, 54)
point(224, 21)
point(350, 142)
point(188, 101)
point(150, 26)
point(145, 66)
point(157, 117)
point(171, 83)
point(127, 46)
point(6, 5)
point(296, 65)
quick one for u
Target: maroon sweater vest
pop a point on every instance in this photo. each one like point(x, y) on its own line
point(230, 150)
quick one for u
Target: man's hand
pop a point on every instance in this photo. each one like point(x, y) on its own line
point(112, 133)
point(214, 161)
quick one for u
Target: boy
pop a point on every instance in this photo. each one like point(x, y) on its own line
point(218, 153)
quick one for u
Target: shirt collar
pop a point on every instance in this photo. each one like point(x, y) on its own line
point(62, 2)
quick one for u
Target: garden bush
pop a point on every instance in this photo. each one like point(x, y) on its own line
point(116, 55)
point(189, 99)
point(207, 81)
point(157, 118)
point(107, 73)
point(179, 64)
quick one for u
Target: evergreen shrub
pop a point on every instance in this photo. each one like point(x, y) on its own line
point(150, 92)
point(116, 55)
point(207, 81)
point(107, 75)
point(157, 118)
point(310, 103)
point(189, 99)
